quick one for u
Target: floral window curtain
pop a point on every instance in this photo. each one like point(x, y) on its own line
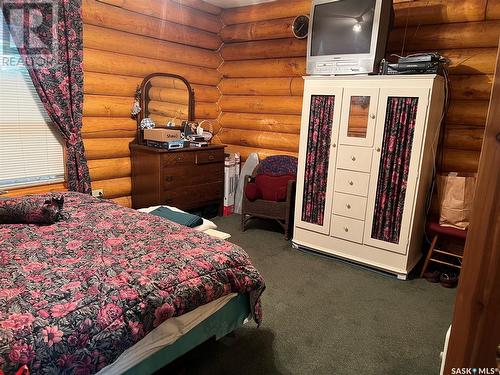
point(54, 63)
point(317, 155)
point(394, 168)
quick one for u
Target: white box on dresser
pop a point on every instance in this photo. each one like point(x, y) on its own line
point(349, 126)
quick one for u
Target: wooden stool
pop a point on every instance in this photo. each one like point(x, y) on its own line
point(441, 231)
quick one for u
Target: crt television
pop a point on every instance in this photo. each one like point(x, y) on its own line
point(347, 36)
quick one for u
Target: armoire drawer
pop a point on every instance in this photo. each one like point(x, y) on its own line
point(354, 158)
point(349, 205)
point(350, 182)
point(347, 228)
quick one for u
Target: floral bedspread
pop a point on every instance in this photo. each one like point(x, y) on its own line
point(74, 295)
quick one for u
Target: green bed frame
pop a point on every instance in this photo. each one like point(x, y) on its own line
point(229, 317)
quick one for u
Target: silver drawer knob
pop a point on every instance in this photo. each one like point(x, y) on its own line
point(346, 229)
point(348, 206)
point(351, 183)
point(372, 116)
point(353, 158)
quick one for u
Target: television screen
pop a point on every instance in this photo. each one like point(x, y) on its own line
point(342, 27)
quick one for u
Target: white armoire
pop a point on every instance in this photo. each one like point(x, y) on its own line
point(366, 160)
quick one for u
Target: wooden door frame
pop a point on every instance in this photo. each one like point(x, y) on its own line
point(475, 332)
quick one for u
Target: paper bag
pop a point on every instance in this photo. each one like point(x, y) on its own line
point(456, 195)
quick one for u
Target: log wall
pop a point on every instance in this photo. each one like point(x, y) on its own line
point(125, 40)
point(261, 87)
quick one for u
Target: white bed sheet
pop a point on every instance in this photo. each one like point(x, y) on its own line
point(163, 335)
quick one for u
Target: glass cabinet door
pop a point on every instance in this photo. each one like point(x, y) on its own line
point(395, 167)
point(318, 142)
point(358, 116)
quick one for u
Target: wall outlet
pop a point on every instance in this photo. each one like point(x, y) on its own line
point(98, 193)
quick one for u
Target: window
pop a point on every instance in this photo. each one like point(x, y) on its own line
point(31, 152)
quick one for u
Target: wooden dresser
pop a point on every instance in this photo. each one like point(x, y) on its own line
point(187, 178)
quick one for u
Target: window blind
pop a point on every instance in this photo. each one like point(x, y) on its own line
point(31, 151)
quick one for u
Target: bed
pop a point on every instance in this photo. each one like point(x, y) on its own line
point(108, 283)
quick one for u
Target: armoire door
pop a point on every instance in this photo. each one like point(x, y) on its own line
point(359, 115)
point(317, 152)
point(395, 167)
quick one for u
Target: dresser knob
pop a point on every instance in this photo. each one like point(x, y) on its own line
point(334, 145)
point(353, 158)
point(348, 206)
point(377, 149)
point(346, 229)
point(372, 116)
point(169, 178)
point(351, 183)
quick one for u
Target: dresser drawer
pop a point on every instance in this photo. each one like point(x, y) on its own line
point(349, 205)
point(351, 182)
point(354, 158)
point(347, 228)
point(193, 196)
point(178, 158)
point(181, 176)
point(209, 156)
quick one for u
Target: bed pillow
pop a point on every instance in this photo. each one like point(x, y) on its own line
point(31, 210)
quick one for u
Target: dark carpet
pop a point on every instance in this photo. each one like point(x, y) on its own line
point(322, 316)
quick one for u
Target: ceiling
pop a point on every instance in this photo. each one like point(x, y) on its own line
point(235, 3)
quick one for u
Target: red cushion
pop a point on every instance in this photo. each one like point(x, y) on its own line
point(273, 188)
point(252, 191)
point(434, 227)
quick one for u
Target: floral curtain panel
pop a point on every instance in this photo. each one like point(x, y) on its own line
point(394, 168)
point(317, 156)
point(48, 36)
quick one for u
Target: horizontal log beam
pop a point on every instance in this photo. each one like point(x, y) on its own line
point(99, 14)
point(108, 127)
point(266, 11)
point(262, 152)
point(285, 105)
point(261, 121)
point(460, 161)
point(114, 188)
point(463, 137)
point(171, 11)
point(117, 63)
point(138, 45)
point(473, 87)
point(39, 189)
point(266, 68)
point(124, 201)
point(252, 138)
point(108, 106)
point(110, 84)
point(202, 93)
point(264, 49)
point(493, 10)
point(413, 13)
point(270, 29)
point(467, 112)
point(262, 86)
point(107, 148)
point(106, 169)
point(445, 36)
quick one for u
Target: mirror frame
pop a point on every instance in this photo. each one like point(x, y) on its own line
point(144, 101)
